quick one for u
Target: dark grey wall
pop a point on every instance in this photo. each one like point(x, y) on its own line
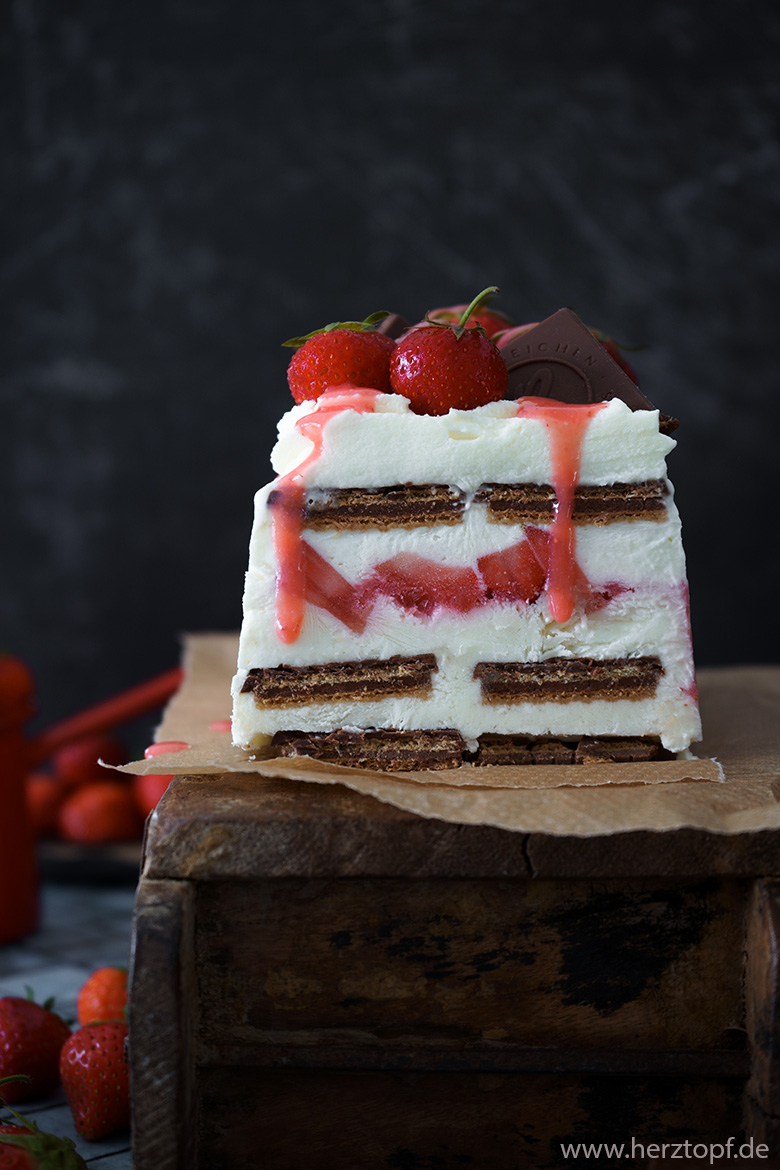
point(187, 183)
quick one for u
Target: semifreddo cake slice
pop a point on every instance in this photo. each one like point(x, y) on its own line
point(496, 583)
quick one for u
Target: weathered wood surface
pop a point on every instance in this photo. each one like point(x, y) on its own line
point(341, 983)
point(441, 1121)
point(241, 826)
point(163, 981)
point(762, 986)
point(441, 964)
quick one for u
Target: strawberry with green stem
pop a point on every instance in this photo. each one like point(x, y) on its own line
point(493, 321)
point(441, 366)
point(31, 1037)
point(23, 1146)
point(344, 353)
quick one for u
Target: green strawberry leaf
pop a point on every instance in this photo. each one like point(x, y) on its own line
point(368, 325)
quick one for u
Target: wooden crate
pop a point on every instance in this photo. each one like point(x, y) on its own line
point(323, 981)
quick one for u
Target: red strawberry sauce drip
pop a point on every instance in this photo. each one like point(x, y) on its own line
point(288, 509)
point(566, 426)
point(520, 573)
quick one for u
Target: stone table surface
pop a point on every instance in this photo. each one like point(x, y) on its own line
point(82, 926)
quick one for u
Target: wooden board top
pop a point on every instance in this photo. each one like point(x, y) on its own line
point(243, 826)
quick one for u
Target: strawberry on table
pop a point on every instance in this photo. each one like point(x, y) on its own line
point(77, 762)
point(43, 795)
point(103, 996)
point(149, 789)
point(31, 1037)
point(441, 367)
point(25, 1147)
point(344, 353)
point(17, 690)
point(101, 811)
point(95, 1079)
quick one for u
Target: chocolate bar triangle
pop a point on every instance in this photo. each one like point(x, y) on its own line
point(560, 358)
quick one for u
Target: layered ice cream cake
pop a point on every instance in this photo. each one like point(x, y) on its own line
point(498, 582)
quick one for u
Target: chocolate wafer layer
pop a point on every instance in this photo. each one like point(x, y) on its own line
point(401, 506)
point(567, 679)
point(527, 503)
point(368, 678)
point(522, 749)
point(407, 751)
point(387, 751)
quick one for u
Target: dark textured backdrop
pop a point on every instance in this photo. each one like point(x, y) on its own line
point(187, 183)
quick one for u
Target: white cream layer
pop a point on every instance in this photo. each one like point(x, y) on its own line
point(642, 552)
point(467, 447)
point(650, 620)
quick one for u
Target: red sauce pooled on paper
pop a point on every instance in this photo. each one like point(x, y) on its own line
point(161, 749)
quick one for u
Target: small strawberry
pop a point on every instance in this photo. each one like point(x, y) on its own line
point(344, 353)
point(17, 690)
point(101, 811)
point(31, 1037)
point(148, 791)
point(441, 367)
point(44, 796)
point(25, 1147)
point(493, 321)
point(103, 996)
point(28, 1148)
point(77, 762)
point(95, 1079)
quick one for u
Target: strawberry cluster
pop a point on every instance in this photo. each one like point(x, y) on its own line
point(77, 799)
point(449, 361)
point(38, 1051)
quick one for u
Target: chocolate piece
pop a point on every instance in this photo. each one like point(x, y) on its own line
point(561, 359)
point(566, 679)
point(394, 325)
point(387, 751)
point(520, 503)
point(617, 751)
point(284, 686)
point(400, 506)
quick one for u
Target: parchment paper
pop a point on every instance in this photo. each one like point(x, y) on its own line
point(740, 709)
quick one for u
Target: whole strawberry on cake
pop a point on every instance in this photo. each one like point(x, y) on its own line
point(470, 554)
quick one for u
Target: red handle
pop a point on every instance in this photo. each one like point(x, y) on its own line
point(103, 716)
